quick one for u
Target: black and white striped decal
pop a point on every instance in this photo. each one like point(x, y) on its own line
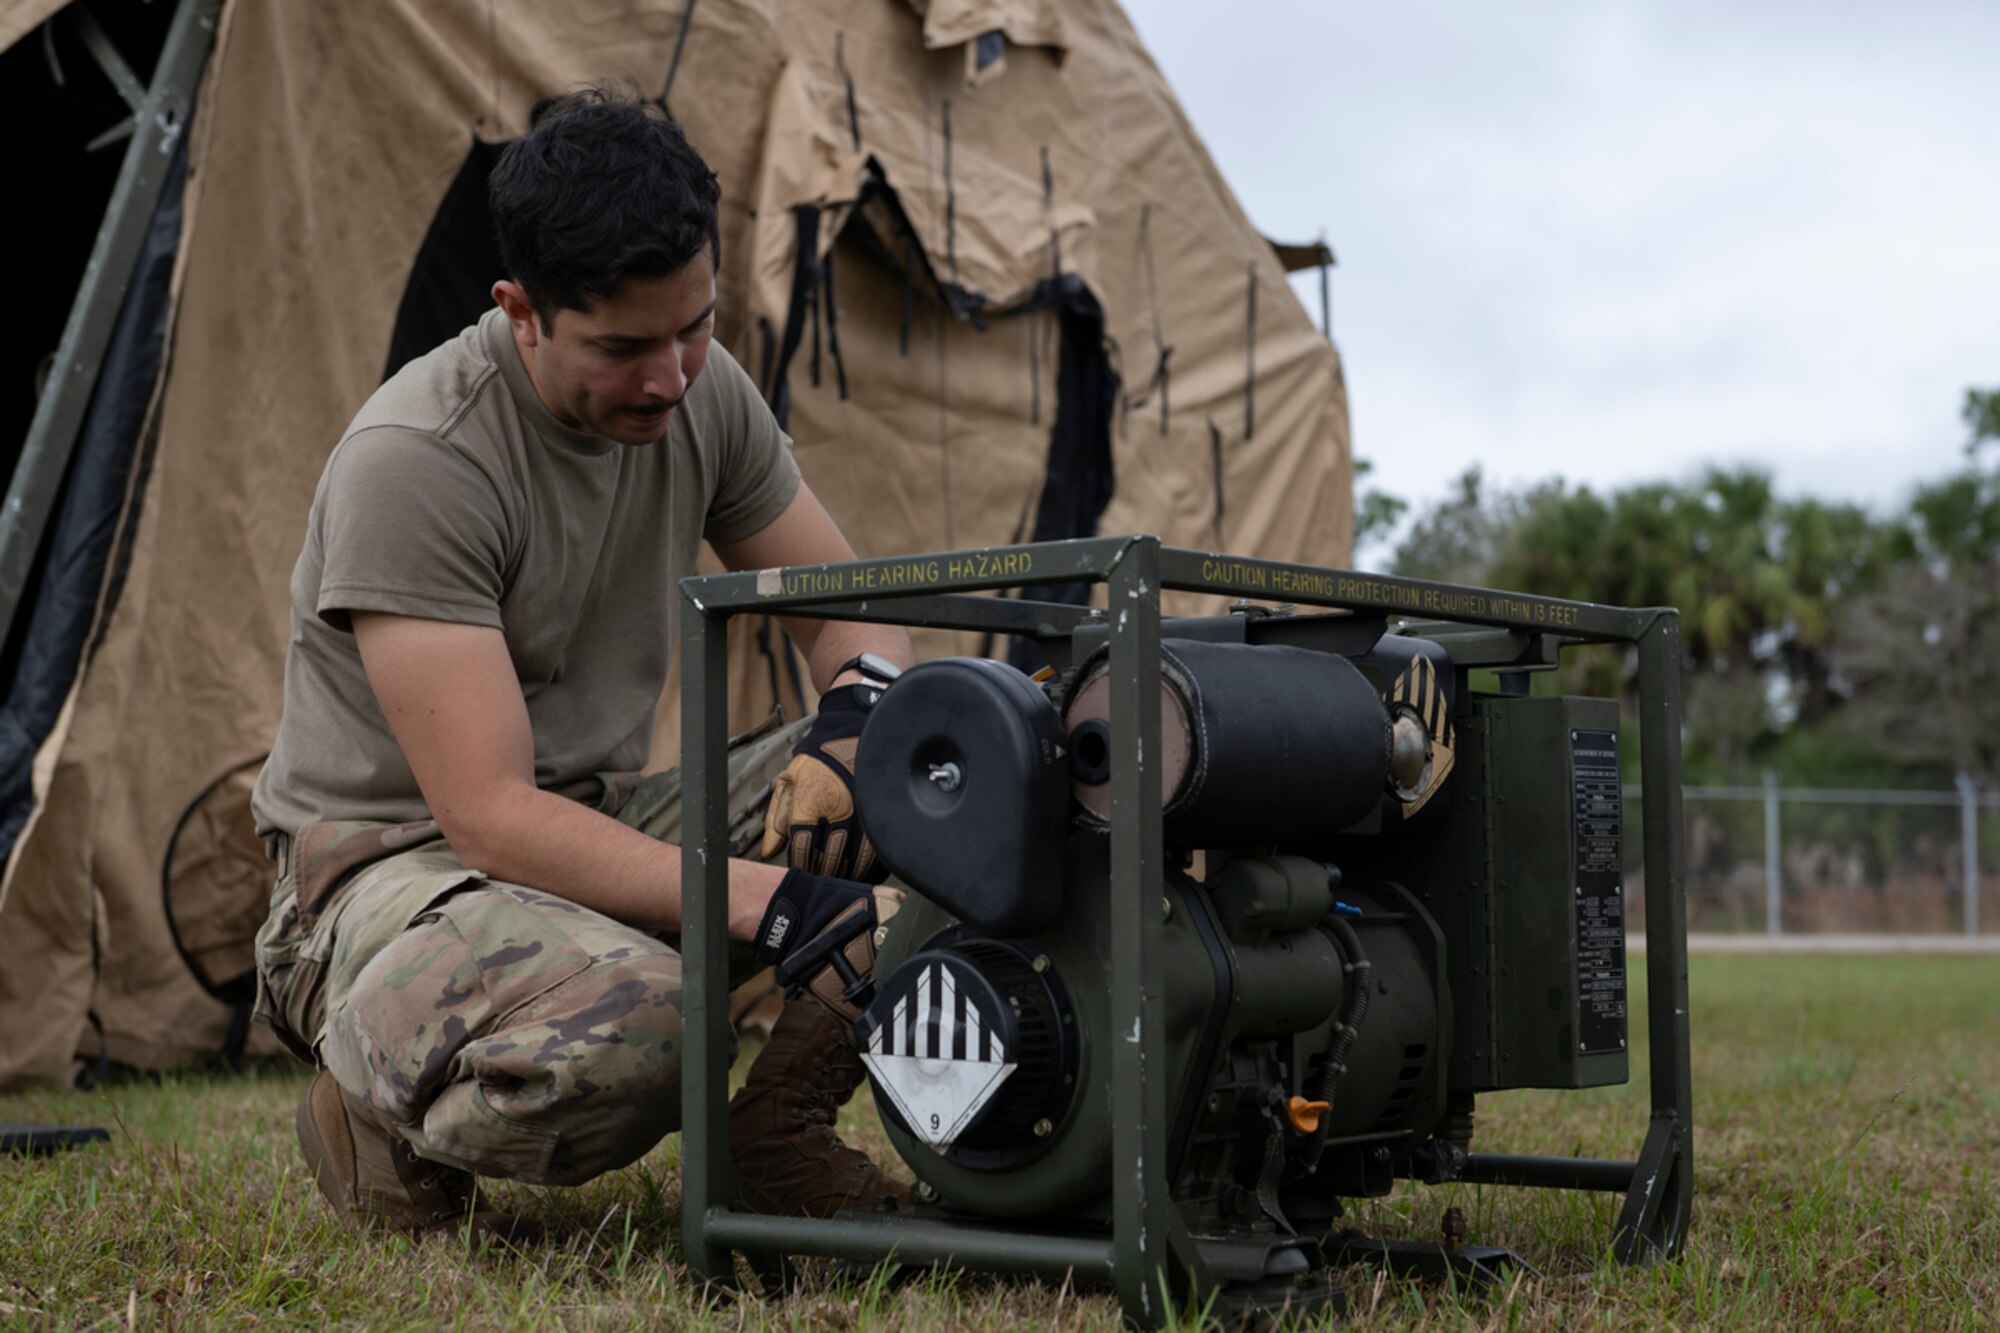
point(937, 1023)
point(936, 1058)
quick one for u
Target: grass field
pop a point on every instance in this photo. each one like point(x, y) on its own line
point(1848, 1168)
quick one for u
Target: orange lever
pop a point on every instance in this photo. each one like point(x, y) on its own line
point(1305, 1115)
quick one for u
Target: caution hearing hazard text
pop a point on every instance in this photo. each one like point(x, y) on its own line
point(895, 575)
point(1287, 580)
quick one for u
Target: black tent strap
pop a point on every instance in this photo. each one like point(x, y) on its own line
point(1049, 215)
point(1079, 478)
point(1163, 350)
point(832, 324)
point(674, 67)
point(1160, 383)
point(815, 289)
point(1152, 273)
point(805, 271)
point(950, 201)
point(812, 314)
point(1215, 463)
point(909, 290)
point(812, 301)
point(1034, 373)
point(767, 355)
point(1250, 360)
point(1163, 374)
point(847, 81)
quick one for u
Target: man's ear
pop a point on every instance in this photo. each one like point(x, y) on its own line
point(513, 298)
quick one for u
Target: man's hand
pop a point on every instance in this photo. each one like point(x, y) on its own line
point(820, 933)
point(812, 818)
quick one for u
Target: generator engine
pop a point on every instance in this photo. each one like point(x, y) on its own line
point(1385, 894)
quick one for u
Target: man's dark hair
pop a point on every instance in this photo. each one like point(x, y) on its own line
point(602, 188)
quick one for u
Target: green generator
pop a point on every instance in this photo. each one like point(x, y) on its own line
point(1216, 921)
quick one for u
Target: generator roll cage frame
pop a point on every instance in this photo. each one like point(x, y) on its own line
point(1148, 1244)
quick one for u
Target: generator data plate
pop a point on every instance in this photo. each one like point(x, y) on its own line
point(1600, 892)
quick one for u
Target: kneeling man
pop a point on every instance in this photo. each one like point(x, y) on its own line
point(477, 899)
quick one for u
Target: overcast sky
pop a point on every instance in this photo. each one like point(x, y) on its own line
point(1615, 241)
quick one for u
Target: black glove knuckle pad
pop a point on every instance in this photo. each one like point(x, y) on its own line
point(795, 930)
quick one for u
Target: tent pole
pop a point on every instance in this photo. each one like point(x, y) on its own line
point(160, 121)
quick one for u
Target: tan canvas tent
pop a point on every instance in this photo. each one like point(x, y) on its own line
point(972, 250)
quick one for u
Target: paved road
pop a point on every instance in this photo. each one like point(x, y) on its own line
point(1965, 944)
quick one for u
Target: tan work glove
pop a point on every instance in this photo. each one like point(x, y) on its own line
point(812, 819)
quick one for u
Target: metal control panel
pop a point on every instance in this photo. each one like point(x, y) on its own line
point(1595, 826)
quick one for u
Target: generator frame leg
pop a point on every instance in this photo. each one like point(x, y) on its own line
point(1653, 1223)
point(707, 1181)
point(1153, 1259)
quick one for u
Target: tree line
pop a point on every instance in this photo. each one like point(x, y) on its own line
point(1819, 638)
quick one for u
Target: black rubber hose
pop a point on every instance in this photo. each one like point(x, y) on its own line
point(1354, 1009)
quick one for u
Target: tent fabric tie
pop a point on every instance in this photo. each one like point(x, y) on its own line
point(1041, 329)
point(812, 313)
point(674, 66)
point(1215, 464)
point(1162, 378)
point(832, 326)
point(805, 272)
point(1034, 372)
point(950, 206)
point(909, 290)
point(1049, 215)
point(1250, 360)
point(847, 81)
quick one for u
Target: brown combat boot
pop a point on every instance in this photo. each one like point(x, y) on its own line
point(373, 1178)
point(787, 1156)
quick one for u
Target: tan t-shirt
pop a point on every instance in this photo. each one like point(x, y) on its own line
point(456, 496)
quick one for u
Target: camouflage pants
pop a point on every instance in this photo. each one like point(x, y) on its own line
point(501, 1028)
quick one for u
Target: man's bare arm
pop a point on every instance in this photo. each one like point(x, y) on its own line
point(454, 703)
point(805, 534)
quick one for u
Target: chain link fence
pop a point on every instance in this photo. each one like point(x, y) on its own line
point(1783, 860)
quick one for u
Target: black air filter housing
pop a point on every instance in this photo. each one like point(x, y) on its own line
point(1260, 744)
point(962, 786)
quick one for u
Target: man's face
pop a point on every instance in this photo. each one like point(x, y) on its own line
point(619, 368)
